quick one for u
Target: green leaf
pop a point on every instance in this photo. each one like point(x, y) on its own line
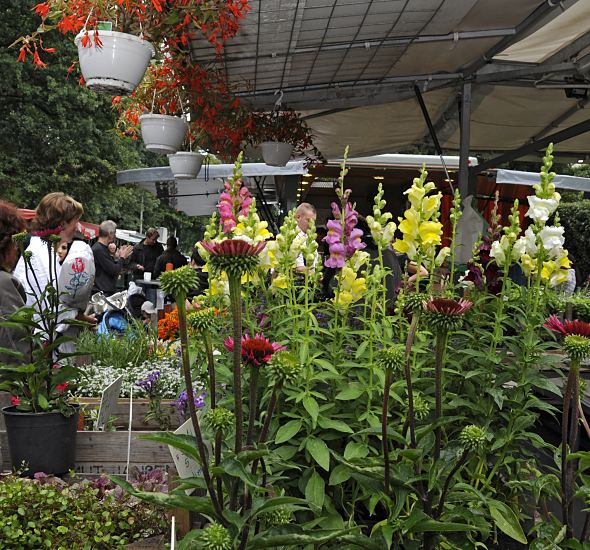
point(289, 430)
point(355, 450)
point(353, 391)
point(43, 403)
point(338, 425)
point(294, 535)
point(506, 520)
point(319, 451)
point(315, 490)
point(340, 474)
point(277, 502)
point(312, 407)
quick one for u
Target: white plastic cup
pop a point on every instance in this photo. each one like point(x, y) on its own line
point(147, 276)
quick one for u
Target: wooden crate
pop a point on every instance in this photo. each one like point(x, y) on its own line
point(106, 452)
point(140, 409)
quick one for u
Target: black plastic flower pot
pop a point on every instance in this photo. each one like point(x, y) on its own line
point(45, 442)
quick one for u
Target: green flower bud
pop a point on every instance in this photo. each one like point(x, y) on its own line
point(220, 419)
point(280, 516)
point(204, 319)
point(392, 358)
point(576, 347)
point(215, 537)
point(283, 367)
point(421, 407)
point(472, 437)
point(19, 239)
point(179, 281)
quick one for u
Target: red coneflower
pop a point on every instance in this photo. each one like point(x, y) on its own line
point(256, 350)
point(447, 306)
point(234, 256)
point(568, 328)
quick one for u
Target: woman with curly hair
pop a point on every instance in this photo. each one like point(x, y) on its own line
point(55, 224)
point(12, 293)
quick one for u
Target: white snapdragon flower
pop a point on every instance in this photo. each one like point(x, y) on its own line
point(553, 240)
point(442, 255)
point(541, 209)
point(497, 252)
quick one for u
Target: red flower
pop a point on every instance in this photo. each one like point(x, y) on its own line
point(62, 387)
point(22, 54)
point(233, 247)
point(256, 350)
point(15, 400)
point(78, 265)
point(447, 306)
point(42, 9)
point(568, 328)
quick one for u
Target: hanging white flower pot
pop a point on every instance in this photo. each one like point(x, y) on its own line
point(185, 164)
point(276, 153)
point(117, 66)
point(162, 134)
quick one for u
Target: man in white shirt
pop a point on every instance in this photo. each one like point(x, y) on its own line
point(304, 214)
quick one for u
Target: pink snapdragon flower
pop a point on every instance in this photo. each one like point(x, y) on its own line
point(234, 202)
point(343, 238)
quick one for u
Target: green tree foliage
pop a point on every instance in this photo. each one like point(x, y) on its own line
point(58, 136)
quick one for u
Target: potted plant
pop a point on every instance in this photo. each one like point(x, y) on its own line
point(41, 422)
point(280, 134)
point(111, 33)
point(187, 164)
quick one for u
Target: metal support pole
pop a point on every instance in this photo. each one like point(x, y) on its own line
point(465, 123)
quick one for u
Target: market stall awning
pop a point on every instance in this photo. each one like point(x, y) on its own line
point(89, 230)
point(516, 177)
point(351, 67)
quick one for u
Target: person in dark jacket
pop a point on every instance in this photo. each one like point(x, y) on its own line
point(108, 266)
point(146, 253)
point(170, 256)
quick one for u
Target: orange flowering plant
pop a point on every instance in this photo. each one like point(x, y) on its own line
point(174, 22)
point(217, 120)
point(168, 326)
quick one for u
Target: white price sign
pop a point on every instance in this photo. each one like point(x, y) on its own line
point(187, 466)
point(108, 403)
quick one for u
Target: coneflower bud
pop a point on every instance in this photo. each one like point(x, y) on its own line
point(283, 367)
point(421, 407)
point(178, 281)
point(215, 537)
point(203, 320)
point(220, 419)
point(280, 516)
point(392, 358)
point(472, 437)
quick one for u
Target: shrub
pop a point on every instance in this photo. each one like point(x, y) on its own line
point(48, 513)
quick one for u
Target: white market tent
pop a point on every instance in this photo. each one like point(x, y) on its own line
point(488, 75)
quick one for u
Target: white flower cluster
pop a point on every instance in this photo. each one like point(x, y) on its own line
point(98, 377)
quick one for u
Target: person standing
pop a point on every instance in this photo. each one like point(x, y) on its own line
point(12, 293)
point(108, 266)
point(304, 215)
point(145, 253)
point(170, 256)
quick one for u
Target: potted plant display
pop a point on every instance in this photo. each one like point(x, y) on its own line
point(116, 39)
point(280, 134)
point(41, 422)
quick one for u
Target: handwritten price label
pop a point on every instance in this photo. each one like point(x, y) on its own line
point(108, 402)
point(186, 466)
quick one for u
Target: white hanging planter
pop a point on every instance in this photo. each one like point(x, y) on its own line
point(117, 66)
point(162, 134)
point(185, 164)
point(276, 153)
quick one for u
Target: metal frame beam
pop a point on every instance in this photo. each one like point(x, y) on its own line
point(571, 50)
point(532, 147)
point(561, 118)
point(465, 122)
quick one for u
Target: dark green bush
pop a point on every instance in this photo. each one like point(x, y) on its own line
point(48, 513)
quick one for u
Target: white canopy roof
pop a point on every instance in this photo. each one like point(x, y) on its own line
point(350, 67)
point(573, 183)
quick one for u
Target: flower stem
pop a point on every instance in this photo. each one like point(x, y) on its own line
point(408, 373)
point(443, 496)
point(565, 419)
point(236, 308)
point(180, 300)
point(252, 408)
point(272, 402)
point(384, 417)
point(441, 346)
point(210, 367)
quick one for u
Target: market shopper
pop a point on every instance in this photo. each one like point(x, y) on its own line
point(59, 214)
point(170, 259)
point(12, 292)
point(304, 215)
point(145, 253)
point(108, 265)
